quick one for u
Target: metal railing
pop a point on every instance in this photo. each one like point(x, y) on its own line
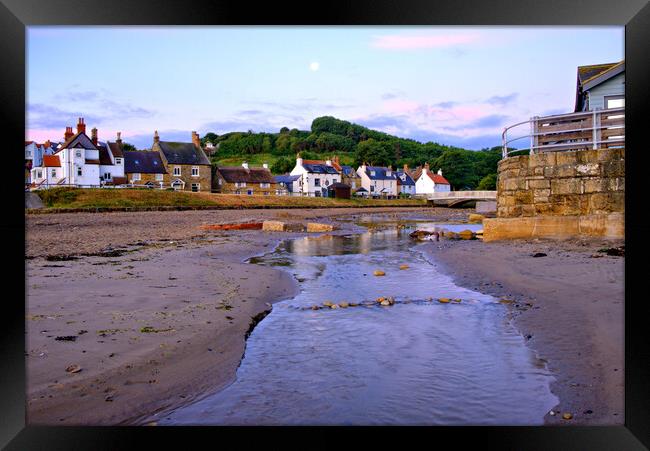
point(574, 131)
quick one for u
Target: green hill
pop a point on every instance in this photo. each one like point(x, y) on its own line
point(355, 144)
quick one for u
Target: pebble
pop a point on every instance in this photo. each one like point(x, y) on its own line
point(403, 266)
point(567, 416)
point(73, 369)
point(344, 304)
point(379, 273)
point(443, 300)
point(385, 302)
point(333, 306)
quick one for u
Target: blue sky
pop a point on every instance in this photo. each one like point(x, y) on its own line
point(452, 85)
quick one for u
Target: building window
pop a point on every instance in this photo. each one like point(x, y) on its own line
point(177, 170)
point(354, 185)
point(53, 172)
point(372, 189)
point(316, 182)
point(265, 185)
point(240, 184)
point(28, 153)
point(107, 176)
point(237, 192)
point(159, 177)
point(79, 172)
point(136, 176)
point(118, 161)
point(78, 154)
point(39, 174)
point(614, 101)
point(196, 187)
point(249, 192)
point(266, 193)
point(195, 171)
point(317, 193)
point(372, 172)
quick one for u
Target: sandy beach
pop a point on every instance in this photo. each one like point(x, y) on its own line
point(575, 322)
point(154, 311)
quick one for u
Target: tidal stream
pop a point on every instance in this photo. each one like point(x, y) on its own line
point(417, 362)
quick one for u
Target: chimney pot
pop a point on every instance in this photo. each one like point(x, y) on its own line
point(265, 165)
point(439, 171)
point(81, 126)
point(119, 138)
point(93, 134)
point(156, 138)
point(245, 164)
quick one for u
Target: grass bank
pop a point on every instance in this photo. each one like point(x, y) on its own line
point(80, 199)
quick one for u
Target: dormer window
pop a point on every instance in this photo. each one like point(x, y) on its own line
point(388, 173)
point(118, 161)
point(372, 172)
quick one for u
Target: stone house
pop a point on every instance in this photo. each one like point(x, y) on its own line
point(145, 168)
point(405, 183)
point(379, 181)
point(245, 180)
point(186, 163)
point(427, 182)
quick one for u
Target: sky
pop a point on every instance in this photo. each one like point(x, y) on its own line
point(452, 85)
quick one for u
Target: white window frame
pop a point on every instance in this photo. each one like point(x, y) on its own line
point(240, 184)
point(118, 160)
point(159, 177)
point(198, 187)
point(177, 171)
point(53, 172)
point(197, 171)
point(265, 185)
point(614, 98)
point(39, 174)
point(317, 182)
point(79, 172)
point(136, 176)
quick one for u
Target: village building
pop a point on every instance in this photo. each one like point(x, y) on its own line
point(245, 180)
point(186, 163)
point(427, 182)
point(111, 162)
point(145, 168)
point(315, 176)
point(405, 183)
point(600, 86)
point(34, 156)
point(378, 181)
point(339, 190)
point(287, 185)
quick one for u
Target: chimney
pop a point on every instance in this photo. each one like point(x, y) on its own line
point(406, 168)
point(426, 166)
point(93, 134)
point(156, 138)
point(298, 159)
point(68, 134)
point(245, 164)
point(81, 126)
point(439, 171)
point(119, 138)
point(195, 139)
point(265, 165)
point(328, 162)
point(335, 159)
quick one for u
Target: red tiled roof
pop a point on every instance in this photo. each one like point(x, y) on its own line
point(51, 161)
point(437, 178)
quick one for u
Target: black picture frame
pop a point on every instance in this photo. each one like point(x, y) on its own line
point(15, 15)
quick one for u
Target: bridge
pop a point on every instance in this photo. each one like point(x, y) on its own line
point(457, 198)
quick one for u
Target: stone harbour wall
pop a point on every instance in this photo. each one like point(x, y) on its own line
point(584, 182)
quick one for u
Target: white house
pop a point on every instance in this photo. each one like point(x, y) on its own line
point(378, 181)
point(315, 176)
point(34, 156)
point(427, 182)
point(111, 161)
point(80, 161)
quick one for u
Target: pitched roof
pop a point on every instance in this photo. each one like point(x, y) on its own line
point(593, 75)
point(116, 148)
point(380, 173)
point(338, 185)
point(286, 178)
point(239, 174)
point(143, 162)
point(437, 178)
point(51, 161)
point(349, 171)
point(404, 178)
point(586, 73)
point(80, 139)
point(183, 153)
point(318, 167)
point(104, 156)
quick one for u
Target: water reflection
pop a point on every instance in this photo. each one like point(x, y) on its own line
point(412, 363)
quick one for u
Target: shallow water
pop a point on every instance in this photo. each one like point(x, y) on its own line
point(416, 362)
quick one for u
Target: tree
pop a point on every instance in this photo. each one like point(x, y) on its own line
point(377, 153)
point(128, 147)
point(489, 182)
point(283, 165)
point(457, 167)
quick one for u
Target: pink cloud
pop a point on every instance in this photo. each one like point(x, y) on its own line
point(409, 42)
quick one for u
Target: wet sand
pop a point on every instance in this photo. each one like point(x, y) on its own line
point(576, 322)
point(160, 313)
